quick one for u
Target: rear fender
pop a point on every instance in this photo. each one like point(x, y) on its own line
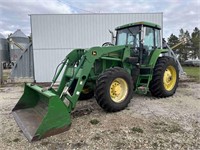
point(155, 55)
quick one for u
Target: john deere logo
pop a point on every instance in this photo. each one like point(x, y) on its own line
point(94, 53)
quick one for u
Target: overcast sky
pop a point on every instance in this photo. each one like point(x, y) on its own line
point(176, 13)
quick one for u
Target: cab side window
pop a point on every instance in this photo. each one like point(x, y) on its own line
point(148, 38)
point(157, 38)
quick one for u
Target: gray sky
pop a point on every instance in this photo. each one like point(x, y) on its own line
point(177, 13)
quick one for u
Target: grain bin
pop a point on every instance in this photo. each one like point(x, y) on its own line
point(4, 49)
point(18, 42)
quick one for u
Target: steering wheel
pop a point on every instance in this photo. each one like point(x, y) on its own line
point(106, 44)
point(135, 45)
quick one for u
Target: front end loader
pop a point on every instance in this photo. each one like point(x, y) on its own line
point(111, 73)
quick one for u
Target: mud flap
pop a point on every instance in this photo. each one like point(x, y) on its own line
point(40, 114)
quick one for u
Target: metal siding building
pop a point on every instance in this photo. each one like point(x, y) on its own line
point(21, 39)
point(22, 71)
point(54, 36)
point(4, 54)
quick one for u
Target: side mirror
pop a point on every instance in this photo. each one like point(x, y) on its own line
point(112, 36)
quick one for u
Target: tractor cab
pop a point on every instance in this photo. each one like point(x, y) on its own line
point(144, 37)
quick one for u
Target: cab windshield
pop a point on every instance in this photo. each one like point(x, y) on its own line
point(128, 36)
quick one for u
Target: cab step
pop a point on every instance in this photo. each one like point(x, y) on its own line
point(143, 81)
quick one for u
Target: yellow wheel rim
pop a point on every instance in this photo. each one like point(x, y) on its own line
point(169, 78)
point(118, 90)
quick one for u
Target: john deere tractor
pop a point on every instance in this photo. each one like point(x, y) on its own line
point(111, 73)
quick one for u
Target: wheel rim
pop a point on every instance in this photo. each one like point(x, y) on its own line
point(169, 78)
point(118, 90)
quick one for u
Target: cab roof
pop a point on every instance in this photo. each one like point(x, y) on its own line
point(139, 23)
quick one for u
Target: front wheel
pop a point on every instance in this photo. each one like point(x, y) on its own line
point(165, 77)
point(114, 89)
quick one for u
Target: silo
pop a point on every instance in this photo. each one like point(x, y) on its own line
point(4, 49)
point(18, 42)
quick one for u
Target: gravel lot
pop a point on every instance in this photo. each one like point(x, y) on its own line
point(147, 123)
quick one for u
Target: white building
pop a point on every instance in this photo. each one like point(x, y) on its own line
point(54, 36)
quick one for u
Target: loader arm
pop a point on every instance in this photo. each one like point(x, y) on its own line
point(79, 64)
point(43, 112)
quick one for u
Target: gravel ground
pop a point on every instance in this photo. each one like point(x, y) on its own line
point(147, 123)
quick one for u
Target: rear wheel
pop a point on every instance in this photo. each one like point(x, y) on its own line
point(165, 77)
point(114, 89)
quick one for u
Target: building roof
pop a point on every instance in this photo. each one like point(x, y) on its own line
point(1, 36)
point(18, 33)
point(139, 23)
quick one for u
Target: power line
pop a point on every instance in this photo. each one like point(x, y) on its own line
point(67, 3)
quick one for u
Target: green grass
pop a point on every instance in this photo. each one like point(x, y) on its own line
point(137, 129)
point(94, 121)
point(193, 72)
point(16, 140)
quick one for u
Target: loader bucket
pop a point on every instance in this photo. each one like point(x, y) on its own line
point(40, 113)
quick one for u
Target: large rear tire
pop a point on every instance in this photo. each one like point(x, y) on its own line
point(165, 77)
point(114, 89)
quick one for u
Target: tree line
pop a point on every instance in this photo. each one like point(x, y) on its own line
point(188, 50)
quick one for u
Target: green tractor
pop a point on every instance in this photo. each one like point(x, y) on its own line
point(111, 73)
